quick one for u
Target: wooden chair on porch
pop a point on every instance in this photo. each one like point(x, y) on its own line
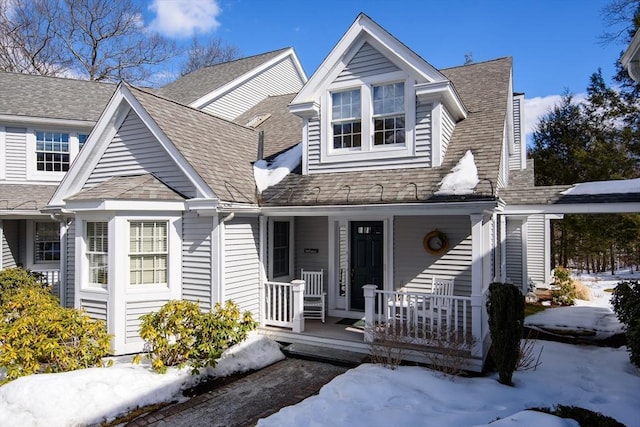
point(314, 295)
point(439, 308)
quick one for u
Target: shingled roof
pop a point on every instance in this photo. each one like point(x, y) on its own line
point(282, 129)
point(484, 88)
point(552, 195)
point(220, 151)
point(24, 197)
point(52, 97)
point(139, 187)
point(193, 86)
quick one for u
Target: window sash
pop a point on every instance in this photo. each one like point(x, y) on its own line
point(346, 122)
point(46, 242)
point(52, 151)
point(98, 252)
point(388, 114)
point(148, 252)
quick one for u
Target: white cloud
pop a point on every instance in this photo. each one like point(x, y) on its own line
point(536, 108)
point(182, 18)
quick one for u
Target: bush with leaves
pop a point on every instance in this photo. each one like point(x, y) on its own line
point(37, 335)
point(180, 334)
point(565, 292)
point(13, 279)
point(626, 304)
point(505, 307)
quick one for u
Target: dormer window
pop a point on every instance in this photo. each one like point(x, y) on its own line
point(346, 119)
point(388, 114)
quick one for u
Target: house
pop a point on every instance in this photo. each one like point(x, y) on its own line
point(162, 202)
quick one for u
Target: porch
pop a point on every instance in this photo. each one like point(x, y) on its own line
point(410, 320)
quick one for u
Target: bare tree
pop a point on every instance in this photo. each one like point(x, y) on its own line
point(94, 39)
point(621, 17)
point(214, 52)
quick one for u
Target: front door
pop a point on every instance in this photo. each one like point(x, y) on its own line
point(366, 259)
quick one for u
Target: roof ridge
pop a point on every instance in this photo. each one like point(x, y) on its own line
point(70, 79)
point(502, 58)
point(162, 98)
point(237, 60)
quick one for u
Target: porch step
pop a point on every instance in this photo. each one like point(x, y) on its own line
point(324, 354)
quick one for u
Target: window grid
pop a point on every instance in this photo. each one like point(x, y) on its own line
point(388, 114)
point(280, 248)
point(82, 138)
point(346, 119)
point(47, 242)
point(148, 252)
point(98, 252)
point(52, 151)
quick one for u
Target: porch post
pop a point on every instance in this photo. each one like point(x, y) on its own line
point(298, 305)
point(369, 311)
point(263, 271)
point(477, 276)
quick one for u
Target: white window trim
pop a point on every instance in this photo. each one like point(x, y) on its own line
point(81, 259)
point(290, 276)
point(31, 249)
point(367, 150)
point(85, 235)
point(33, 174)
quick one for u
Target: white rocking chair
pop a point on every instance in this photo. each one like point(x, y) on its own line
point(441, 302)
point(314, 295)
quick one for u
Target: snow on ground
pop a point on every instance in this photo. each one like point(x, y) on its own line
point(597, 378)
point(91, 396)
point(605, 187)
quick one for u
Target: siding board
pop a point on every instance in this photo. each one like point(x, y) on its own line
point(70, 259)
point(95, 309)
point(16, 154)
point(311, 232)
point(197, 269)
point(10, 243)
point(536, 248)
point(242, 271)
point(514, 251)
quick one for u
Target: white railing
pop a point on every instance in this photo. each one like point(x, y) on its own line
point(418, 318)
point(50, 277)
point(283, 305)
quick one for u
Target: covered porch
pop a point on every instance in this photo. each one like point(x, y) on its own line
point(378, 271)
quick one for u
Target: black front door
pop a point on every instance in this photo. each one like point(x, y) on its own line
point(366, 259)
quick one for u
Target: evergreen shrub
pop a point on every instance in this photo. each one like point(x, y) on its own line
point(626, 304)
point(13, 279)
point(565, 294)
point(180, 334)
point(505, 307)
point(37, 335)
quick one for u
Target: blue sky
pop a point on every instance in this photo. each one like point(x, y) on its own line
point(554, 43)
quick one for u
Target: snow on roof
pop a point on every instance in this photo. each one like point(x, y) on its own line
point(620, 186)
point(269, 173)
point(462, 179)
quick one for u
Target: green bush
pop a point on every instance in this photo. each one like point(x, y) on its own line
point(38, 335)
point(626, 304)
point(505, 307)
point(179, 334)
point(12, 279)
point(566, 292)
point(584, 417)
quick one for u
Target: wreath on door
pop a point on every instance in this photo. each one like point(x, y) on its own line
point(435, 242)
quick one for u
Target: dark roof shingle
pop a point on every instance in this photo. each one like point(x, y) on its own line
point(138, 187)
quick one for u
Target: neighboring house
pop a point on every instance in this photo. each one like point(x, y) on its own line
point(44, 122)
point(162, 202)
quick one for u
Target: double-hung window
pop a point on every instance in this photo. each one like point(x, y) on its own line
point(148, 252)
point(52, 151)
point(98, 253)
point(47, 242)
point(281, 233)
point(346, 119)
point(388, 114)
point(82, 138)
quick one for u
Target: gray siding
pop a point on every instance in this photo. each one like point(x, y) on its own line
point(414, 267)
point(447, 125)
point(133, 311)
point(10, 243)
point(96, 309)
point(16, 154)
point(280, 79)
point(313, 137)
point(197, 268)
point(536, 248)
point(515, 158)
point(311, 233)
point(242, 270)
point(367, 62)
point(70, 267)
point(134, 150)
point(424, 132)
point(514, 251)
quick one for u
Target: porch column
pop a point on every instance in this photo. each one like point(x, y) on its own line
point(477, 298)
point(369, 311)
point(298, 305)
point(263, 271)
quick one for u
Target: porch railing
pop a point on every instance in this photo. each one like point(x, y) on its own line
point(283, 304)
point(417, 318)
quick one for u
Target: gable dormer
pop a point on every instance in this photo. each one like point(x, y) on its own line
point(374, 104)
